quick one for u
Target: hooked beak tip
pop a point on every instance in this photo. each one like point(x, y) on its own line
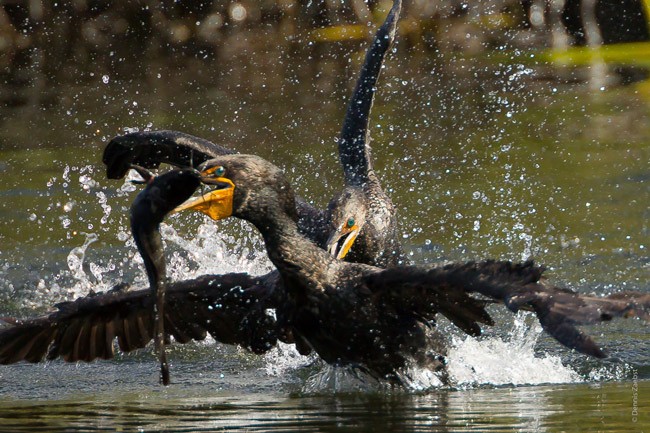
point(217, 204)
point(340, 249)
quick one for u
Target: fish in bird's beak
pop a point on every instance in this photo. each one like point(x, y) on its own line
point(340, 242)
point(217, 204)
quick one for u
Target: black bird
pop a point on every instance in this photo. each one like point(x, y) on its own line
point(361, 214)
point(363, 210)
point(350, 314)
point(377, 318)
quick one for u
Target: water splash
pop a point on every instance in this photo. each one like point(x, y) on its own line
point(492, 361)
point(421, 379)
point(489, 361)
point(210, 251)
point(331, 379)
point(471, 363)
point(284, 359)
point(495, 361)
point(76, 258)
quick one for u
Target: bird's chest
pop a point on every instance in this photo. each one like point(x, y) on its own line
point(334, 321)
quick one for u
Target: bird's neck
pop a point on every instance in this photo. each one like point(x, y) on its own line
point(372, 180)
point(149, 242)
point(295, 256)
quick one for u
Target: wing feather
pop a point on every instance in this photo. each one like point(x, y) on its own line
point(447, 289)
point(86, 329)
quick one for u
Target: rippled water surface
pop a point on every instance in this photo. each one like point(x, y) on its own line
point(205, 408)
point(482, 159)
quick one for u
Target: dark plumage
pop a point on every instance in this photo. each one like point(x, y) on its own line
point(358, 314)
point(86, 329)
point(363, 207)
point(350, 314)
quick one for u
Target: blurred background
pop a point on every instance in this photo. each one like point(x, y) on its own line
point(44, 44)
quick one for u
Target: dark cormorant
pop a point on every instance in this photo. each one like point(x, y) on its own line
point(361, 214)
point(377, 318)
point(363, 210)
point(348, 313)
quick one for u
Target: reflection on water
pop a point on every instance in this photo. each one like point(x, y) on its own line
point(487, 161)
point(202, 408)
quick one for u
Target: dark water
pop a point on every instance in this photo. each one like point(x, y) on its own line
point(482, 159)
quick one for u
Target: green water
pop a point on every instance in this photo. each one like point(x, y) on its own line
point(482, 161)
point(586, 407)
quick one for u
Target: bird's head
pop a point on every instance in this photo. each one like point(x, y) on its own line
point(246, 186)
point(346, 217)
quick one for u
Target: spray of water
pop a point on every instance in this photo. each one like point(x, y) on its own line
point(509, 361)
point(490, 361)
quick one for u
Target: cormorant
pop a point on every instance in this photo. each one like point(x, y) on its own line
point(361, 214)
point(363, 210)
point(352, 313)
point(348, 313)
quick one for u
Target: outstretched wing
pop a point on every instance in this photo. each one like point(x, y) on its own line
point(353, 150)
point(425, 292)
point(151, 148)
point(446, 289)
point(231, 307)
point(560, 311)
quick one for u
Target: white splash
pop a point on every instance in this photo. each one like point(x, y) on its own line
point(495, 361)
point(76, 258)
point(471, 362)
point(283, 359)
point(330, 379)
point(210, 251)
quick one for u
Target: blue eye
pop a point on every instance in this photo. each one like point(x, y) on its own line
point(350, 222)
point(219, 171)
